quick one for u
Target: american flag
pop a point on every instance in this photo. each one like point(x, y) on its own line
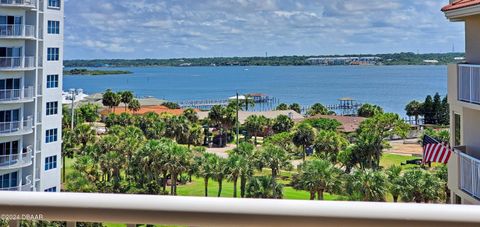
point(434, 151)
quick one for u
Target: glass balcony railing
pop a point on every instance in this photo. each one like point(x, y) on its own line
point(18, 3)
point(17, 31)
point(17, 127)
point(17, 160)
point(17, 63)
point(469, 174)
point(469, 83)
point(16, 95)
point(24, 185)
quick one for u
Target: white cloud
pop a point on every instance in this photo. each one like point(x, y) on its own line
point(185, 28)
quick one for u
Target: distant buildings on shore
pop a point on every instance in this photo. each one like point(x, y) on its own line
point(369, 60)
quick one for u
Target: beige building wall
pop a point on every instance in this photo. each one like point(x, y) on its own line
point(472, 39)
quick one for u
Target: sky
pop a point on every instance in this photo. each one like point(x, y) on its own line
point(130, 29)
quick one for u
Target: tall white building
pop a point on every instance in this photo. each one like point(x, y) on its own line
point(31, 68)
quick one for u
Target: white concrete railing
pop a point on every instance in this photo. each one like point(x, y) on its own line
point(9, 95)
point(470, 174)
point(198, 211)
point(469, 83)
point(16, 126)
point(26, 3)
point(17, 160)
point(12, 63)
point(24, 185)
point(17, 30)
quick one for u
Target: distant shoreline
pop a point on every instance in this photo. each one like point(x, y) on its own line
point(370, 60)
point(86, 72)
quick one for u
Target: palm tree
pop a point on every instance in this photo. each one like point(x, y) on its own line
point(108, 98)
point(367, 185)
point(126, 97)
point(420, 186)
point(195, 133)
point(414, 108)
point(318, 108)
point(236, 165)
point(84, 134)
point(134, 105)
point(223, 118)
point(282, 123)
point(68, 149)
point(274, 158)
point(255, 125)
point(296, 107)
point(369, 110)
point(318, 176)
point(191, 115)
point(282, 106)
point(206, 169)
point(263, 187)
point(394, 181)
point(220, 171)
point(304, 136)
point(329, 143)
point(247, 163)
point(178, 159)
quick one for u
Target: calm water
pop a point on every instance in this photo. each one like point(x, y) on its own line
point(388, 86)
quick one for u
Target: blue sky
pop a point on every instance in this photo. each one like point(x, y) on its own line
point(206, 28)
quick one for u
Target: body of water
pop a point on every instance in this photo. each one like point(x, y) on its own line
point(391, 87)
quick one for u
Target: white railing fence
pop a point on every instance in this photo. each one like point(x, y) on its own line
point(17, 159)
point(198, 211)
point(470, 174)
point(469, 83)
point(30, 3)
point(17, 62)
point(16, 94)
point(17, 30)
point(16, 126)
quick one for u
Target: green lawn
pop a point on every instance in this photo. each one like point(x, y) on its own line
point(393, 159)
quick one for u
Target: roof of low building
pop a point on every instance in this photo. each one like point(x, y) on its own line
point(349, 123)
point(458, 4)
point(243, 115)
point(145, 109)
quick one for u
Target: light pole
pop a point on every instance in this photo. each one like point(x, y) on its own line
point(73, 93)
point(238, 123)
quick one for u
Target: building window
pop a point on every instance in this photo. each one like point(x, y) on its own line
point(50, 162)
point(9, 180)
point(53, 54)
point(53, 27)
point(52, 189)
point(51, 136)
point(457, 121)
point(52, 81)
point(54, 3)
point(52, 108)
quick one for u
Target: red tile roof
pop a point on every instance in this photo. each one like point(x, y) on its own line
point(458, 4)
point(349, 124)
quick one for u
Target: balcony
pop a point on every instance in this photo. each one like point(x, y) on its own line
point(16, 128)
point(10, 31)
point(29, 4)
point(469, 83)
point(196, 211)
point(16, 95)
point(24, 185)
point(14, 161)
point(469, 173)
point(17, 63)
